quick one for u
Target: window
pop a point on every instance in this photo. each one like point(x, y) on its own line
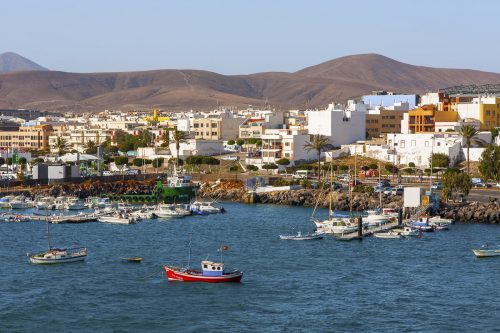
point(214, 125)
point(214, 133)
point(439, 144)
point(402, 145)
point(413, 143)
point(196, 125)
point(208, 133)
point(426, 144)
point(201, 125)
point(287, 144)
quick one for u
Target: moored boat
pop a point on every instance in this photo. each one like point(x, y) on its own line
point(300, 236)
point(118, 218)
point(58, 256)
point(388, 235)
point(212, 272)
point(205, 208)
point(170, 210)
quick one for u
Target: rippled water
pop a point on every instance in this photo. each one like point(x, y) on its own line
point(431, 284)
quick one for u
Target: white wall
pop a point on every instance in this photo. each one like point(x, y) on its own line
point(343, 127)
point(474, 154)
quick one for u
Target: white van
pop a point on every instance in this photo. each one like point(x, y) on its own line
point(302, 174)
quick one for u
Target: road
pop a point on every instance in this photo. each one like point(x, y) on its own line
point(483, 194)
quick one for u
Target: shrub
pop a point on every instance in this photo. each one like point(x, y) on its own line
point(231, 142)
point(252, 167)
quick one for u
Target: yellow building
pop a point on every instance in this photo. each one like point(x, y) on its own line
point(486, 109)
point(423, 119)
point(27, 138)
point(383, 121)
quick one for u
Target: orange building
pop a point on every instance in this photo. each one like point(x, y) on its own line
point(423, 119)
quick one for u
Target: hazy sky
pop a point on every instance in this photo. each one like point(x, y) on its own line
point(246, 36)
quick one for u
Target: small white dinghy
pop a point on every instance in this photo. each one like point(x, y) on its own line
point(300, 236)
point(486, 252)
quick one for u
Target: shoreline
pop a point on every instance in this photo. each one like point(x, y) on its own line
point(233, 190)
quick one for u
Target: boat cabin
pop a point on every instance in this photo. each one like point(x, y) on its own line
point(210, 268)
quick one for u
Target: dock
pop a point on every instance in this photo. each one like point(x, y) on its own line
point(368, 231)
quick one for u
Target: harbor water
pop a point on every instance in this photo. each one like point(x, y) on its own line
point(432, 284)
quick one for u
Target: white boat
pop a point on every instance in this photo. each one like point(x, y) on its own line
point(336, 225)
point(75, 204)
point(300, 236)
point(439, 221)
point(411, 232)
point(59, 203)
point(118, 218)
point(375, 218)
point(390, 212)
point(388, 235)
point(5, 201)
point(204, 208)
point(44, 203)
point(98, 202)
point(57, 255)
point(19, 203)
point(481, 253)
point(170, 210)
point(143, 213)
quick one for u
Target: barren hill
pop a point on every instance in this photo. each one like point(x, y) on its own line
point(314, 86)
point(12, 62)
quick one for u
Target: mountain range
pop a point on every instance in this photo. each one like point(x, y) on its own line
point(172, 89)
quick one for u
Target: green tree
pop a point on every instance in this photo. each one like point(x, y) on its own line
point(251, 167)
point(269, 166)
point(231, 142)
point(344, 168)
point(240, 142)
point(166, 136)
point(138, 162)
point(179, 137)
point(158, 162)
point(90, 147)
point(455, 182)
point(9, 161)
point(62, 146)
point(2, 161)
point(23, 162)
point(373, 166)
point(391, 168)
point(318, 143)
point(489, 165)
point(411, 165)
point(121, 160)
point(469, 136)
point(283, 161)
point(233, 168)
point(194, 160)
point(176, 161)
point(439, 160)
point(494, 133)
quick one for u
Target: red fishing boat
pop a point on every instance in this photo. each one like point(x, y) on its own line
point(211, 272)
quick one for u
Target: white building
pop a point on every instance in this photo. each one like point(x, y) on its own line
point(285, 143)
point(341, 126)
point(197, 147)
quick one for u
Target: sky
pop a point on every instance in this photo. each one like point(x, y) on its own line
point(242, 36)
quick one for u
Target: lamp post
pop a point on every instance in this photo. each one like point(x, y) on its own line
point(432, 153)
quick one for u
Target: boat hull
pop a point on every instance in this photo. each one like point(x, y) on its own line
point(486, 253)
point(175, 274)
point(49, 261)
point(302, 237)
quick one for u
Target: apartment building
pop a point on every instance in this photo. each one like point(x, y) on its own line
point(27, 138)
point(285, 143)
point(384, 120)
point(78, 136)
point(341, 126)
point(486, 109)
point(423, 119)
point(258, 121)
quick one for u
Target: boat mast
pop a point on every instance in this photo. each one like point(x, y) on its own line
point(331, 190)
point(380, 193)
point(350, 194)
point(48, 230)
point(221, 249)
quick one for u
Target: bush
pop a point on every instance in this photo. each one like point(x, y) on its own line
point(121, 160)
point(173, 160)
point(363, 189)
point(411, 165)
point(270, 166)
point(240, 142)
point(283, 161)
point(440, 160)
point(158, 162)
point(252, 167)
point(138, 162)
point(2, 161)
point(231, 142)
point(234, 168)
point(373, 166)
point(344, 168)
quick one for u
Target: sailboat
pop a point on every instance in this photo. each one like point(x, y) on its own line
point(376, 217)
point(334, 225)
point(57, 255)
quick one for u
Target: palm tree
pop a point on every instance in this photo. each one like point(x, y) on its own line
point(469, 135)
point(179, 137)
point(319, 143)
point(90, 147)
point(62, 146)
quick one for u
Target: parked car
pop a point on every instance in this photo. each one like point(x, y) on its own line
point(133, 172)
point(229, 158)
point(354, 183)
point(378, 189)
point(388, 190)
point(437, 185)
point(397, 191)
point(383, 183)
point(337, 186)
point(107, 173)
point(302, 174)
point(481, 184)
